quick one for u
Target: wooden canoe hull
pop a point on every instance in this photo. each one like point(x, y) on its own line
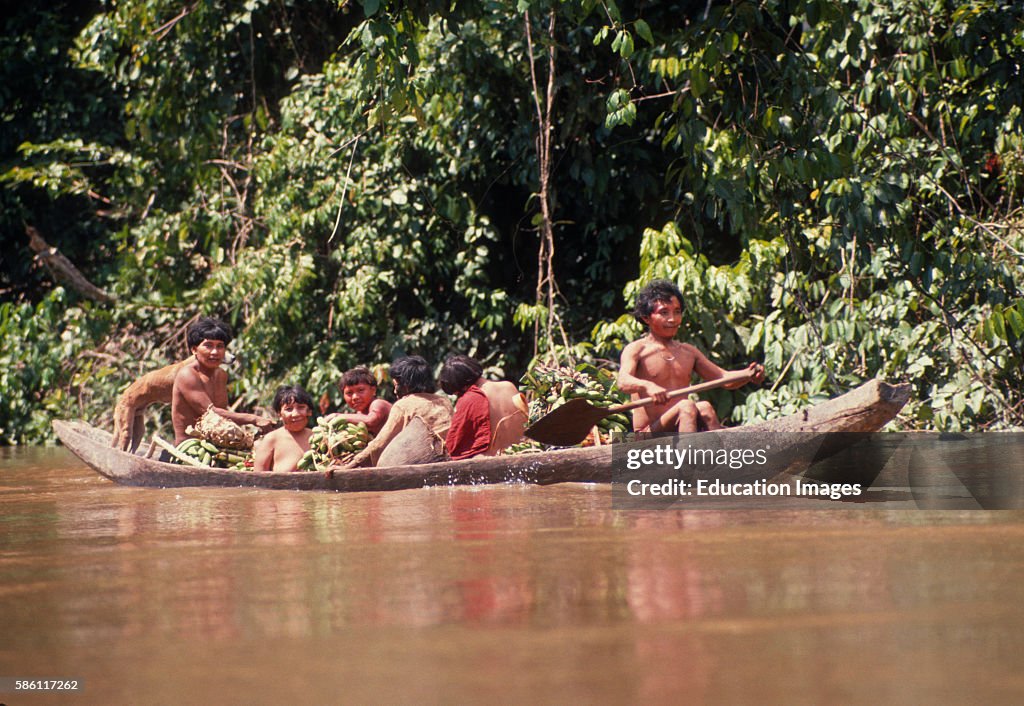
point(867, 408)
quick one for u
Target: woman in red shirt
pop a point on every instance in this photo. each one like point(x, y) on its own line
point(470, 432)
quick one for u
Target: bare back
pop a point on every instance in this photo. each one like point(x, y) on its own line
point(154, 386)
point(508, 414)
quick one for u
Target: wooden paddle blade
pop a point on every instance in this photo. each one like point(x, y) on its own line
point(570, 423)
point(567, 425)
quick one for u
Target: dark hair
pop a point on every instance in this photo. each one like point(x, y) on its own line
point(660, 290)
point(458, 373)
point(207, 328)
point(412, 373)
point(357, 376)
point(291, 394)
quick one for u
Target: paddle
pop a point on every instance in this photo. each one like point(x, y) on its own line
point(570, 423)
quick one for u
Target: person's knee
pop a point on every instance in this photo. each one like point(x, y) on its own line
point(686, 416)
point(708, 416)
point(706, 410)
point(687, 408)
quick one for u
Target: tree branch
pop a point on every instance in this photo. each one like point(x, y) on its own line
point(62, 269)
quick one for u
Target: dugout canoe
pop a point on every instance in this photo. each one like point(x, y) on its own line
point(864, 409)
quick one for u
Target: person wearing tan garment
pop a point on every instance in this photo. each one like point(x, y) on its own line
point(417, 423)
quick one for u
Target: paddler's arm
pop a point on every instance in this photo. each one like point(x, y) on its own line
point(756, 373)
point(263, 423)
point(709, 371)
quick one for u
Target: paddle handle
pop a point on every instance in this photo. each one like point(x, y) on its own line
point(173, 451)
point(673, 394)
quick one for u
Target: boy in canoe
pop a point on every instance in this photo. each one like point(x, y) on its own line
point(202, 383)
point(657, 363)
point(282, 449)
point(417, 424)
point(359, 388)
point(489, 415)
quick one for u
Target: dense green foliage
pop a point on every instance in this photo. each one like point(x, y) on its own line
point(836, 186)
point(867, 157)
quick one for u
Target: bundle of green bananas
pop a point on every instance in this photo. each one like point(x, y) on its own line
point(209, 454)
point(549, 387)
point(333, 440)
point(528, 446)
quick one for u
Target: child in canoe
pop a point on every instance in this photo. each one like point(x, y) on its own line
point(281, 449)
point(417, 424)
point(359, 388)
point(657, 363)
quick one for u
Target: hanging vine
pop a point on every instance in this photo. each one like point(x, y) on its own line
point(547, 324)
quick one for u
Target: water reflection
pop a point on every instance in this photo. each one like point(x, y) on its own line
point(225, 563)
point(688, 605)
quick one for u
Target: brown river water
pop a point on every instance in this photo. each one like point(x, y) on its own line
point(497, 594)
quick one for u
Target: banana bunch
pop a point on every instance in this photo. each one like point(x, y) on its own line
point(549, 387)
point(312, 461)
point(333, 440)
point(209, 454)
point(527, 446)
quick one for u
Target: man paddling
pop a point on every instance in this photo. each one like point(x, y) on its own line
point(657, 363)
point(201, 382)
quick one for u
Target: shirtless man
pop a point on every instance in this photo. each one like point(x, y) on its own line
point(201, 382)
point(657, 363)
point(509, 413)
